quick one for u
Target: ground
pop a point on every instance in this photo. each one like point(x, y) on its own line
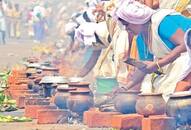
point(11, 54)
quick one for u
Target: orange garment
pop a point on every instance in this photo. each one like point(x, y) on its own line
point(133, 52)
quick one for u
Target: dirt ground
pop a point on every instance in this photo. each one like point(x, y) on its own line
point(11, 54)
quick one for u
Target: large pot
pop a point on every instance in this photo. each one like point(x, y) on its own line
point(79, 101)
point(61, 96)
point(179, 106)
point(125, 101)
point(150, 104)
point(105, 84)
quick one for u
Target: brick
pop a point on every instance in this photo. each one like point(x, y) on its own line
point(16, 93)
point(20, 102)
point(36, 101)
point(32, 95)
point(183, 86)
point(159, 122)
point(18, 87)
point(22, 81)
point(31, 110)
point(127, 121)
point(96, 119)
point(86, 114)
point(52, 116)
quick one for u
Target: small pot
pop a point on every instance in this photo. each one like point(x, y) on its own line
point(61, 97)
point(48, 89)
point(125, 101)
point(179, 106)
point(150, 104)
point(80, 101)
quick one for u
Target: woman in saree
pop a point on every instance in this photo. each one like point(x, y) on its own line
point(160, 46)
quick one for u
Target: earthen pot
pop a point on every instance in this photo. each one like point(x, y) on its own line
point(80, 101)
point(125, 101)
point(49, 71)
point(179, 106)
point(61, 97)
point(80, 86)
point(47, 89)
point(150, 104)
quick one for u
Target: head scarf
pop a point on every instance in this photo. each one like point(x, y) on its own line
point(85, 33)
point(133, 12)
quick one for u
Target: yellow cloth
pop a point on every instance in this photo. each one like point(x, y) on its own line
point(181, 5)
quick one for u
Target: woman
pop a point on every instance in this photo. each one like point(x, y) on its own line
point(159, 40)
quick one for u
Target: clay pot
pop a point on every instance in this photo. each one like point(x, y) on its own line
point(150, 104)
point(80, 86)
point(179, 106)
point(80, 101)
point(125, 101)
point(61, 97)
point(48, 89)
point(50, 71)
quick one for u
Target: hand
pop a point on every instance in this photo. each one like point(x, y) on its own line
point(116, 91)
point(101, 13)
point(151, 67)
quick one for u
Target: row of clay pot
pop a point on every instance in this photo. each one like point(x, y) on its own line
point(178, 106)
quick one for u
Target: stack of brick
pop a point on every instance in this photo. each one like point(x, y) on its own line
point(97, 119)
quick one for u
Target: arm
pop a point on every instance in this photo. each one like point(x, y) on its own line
point(178, 40)
point(90, 64)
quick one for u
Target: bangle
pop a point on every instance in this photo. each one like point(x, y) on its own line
point(158, 66)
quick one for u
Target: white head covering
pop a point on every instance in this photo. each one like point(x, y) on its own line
point(86, 33)
point(134, 12)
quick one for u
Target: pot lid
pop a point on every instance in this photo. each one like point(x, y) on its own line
point(65, 87)
point(150, 94)
point(78, 83)
point(54, 79)
point(80, 91)
point(75, 79)
point(33, 65)
point(180, 94)
point(49, 68)
point(46, 63)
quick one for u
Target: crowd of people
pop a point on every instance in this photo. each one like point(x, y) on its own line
point(18, 18)
point(155, 32)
